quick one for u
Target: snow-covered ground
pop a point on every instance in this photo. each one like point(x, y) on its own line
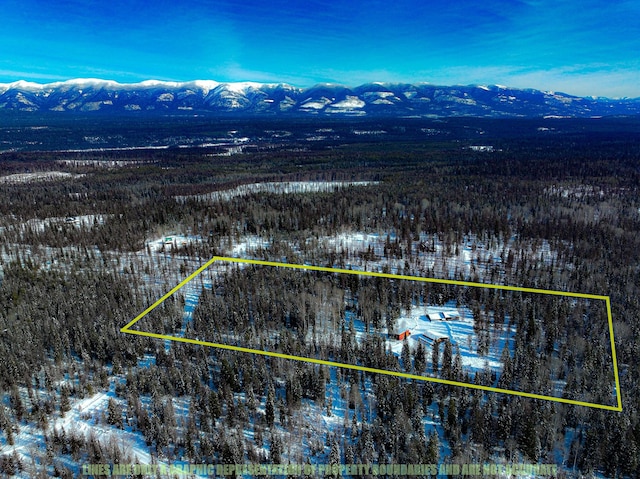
point(171, 242)
point(473, 256)
point(285, 187)
point(458, 331)
point(85, 221)
point(102, 163)
point(37, 176)
point(248, 246)
point(85, 419)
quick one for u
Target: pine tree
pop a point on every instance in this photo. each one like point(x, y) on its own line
point(435, 356)
point(277, 448)
point(114, 413)
point(17, 404)
point(452, 426)
point(215, 408)
point(419, 358)
point(270, 408)
point(367, 447)
point(530, 440)
point(447, 356)
point(334, 454)
point(456, 369)
point(405, 355)
point(433, 449)
point(65, 404)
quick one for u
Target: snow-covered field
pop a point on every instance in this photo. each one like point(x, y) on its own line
point(458, 331)
point(473, 257)
point(37, 176)
point(286, 187)
point(102, 163)
point(85, 221)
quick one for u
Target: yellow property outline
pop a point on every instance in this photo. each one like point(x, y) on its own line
point(618, 407)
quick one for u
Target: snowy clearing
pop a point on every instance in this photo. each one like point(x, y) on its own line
point(18, 178)
point(285, 187)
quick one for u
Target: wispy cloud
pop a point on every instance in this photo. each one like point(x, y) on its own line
point(15, 75)
point(583, 80)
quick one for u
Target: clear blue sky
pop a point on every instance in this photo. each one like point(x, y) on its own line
point(581, 47)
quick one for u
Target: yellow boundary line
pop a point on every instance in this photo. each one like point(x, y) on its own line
point(618, 407)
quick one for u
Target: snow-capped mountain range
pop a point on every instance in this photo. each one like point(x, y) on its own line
point(250, 98)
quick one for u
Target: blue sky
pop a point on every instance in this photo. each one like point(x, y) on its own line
point(581, 47)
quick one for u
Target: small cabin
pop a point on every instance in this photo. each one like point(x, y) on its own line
point(400, 330)
point(403, 335)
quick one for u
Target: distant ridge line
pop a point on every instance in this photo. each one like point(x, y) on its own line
point(254, 98)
